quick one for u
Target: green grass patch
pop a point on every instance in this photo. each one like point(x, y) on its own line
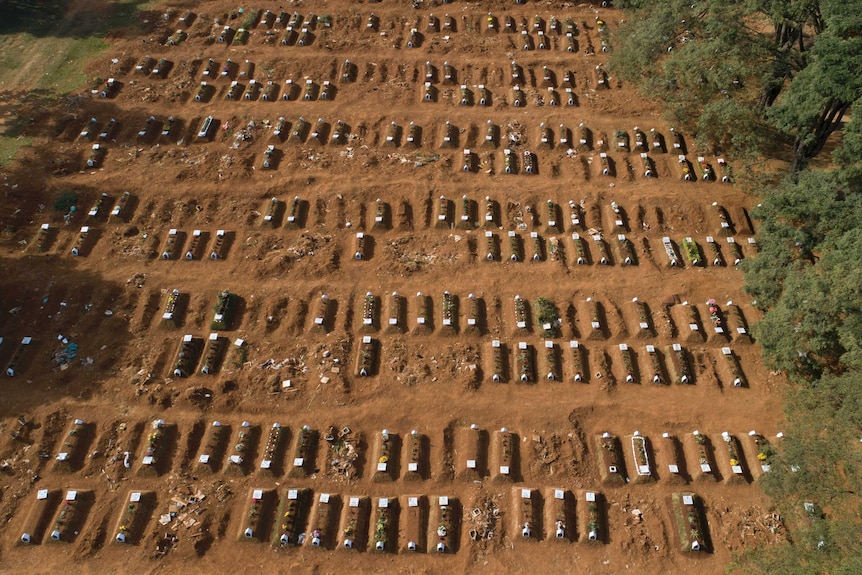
point(9, 147)
point(52, 63)
point(40, 49)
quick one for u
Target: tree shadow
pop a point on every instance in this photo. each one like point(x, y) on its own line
point(51, 18)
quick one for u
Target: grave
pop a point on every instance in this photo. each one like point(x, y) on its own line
point(492, 249)
point(74, 447)
point(537, 247)
point(611, 460)
point(700, 444)
point(157, 445)
point(213, 448)
point(81, 244)
point(366, 361)
point(737, 377)
point(558, 515)
point(595, 312)
point(303, 452)
point(71, 516)
point(271, 463)
point(685, 168)
point(207, 126)
point(691, 525)
point(354, 525)
point(322, 527)
point(656, 366)
point(738, 325)
point(602, 247)
point(629, 362)
point(424, 314)
point(692, 252)
point(579, 373)
point(224, 310)
point(641, 458)
point(516, 251)
point(526, 371)
point(212, 355)
point(506, 450)
point(595, 519)
point(735, 459)
point(382, 524)
point(97, 156)
point(657, 141)
point(449, 314)
point(714, 251)
point(670, 456)
point(194, 246)
point(681, 371)
point(499, 372)
point(397, 312)
point(295, 214)
point(647, 165)
point(443, 526)
point(670, 250)
point(580, 250)
point(527, 520)
point(291, 517)
point(187, 357)
point(173, 243)
point(472, 453)
point(414, 524)
point(134, 517)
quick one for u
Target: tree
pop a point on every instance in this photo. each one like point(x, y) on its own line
point(705, 62)
point(817, 99)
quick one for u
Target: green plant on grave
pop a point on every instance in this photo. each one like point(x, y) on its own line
point(547, 313)
point(65, 201)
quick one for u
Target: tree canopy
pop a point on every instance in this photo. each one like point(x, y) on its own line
point(731, 72)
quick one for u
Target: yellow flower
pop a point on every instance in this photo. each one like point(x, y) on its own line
point(761, 456)
point(383, 459)
point(733, 463)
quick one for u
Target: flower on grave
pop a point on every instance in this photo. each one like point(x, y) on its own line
point(762, 456)
point(383, 459)
point(733, 462)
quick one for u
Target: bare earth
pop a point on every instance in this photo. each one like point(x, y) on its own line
point(110, 299)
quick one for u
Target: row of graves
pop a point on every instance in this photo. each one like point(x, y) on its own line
point(570, 234)
point(452, 314)
point(293, 29)
point(341, 454)
point(293, 517)
point(549, 91)
point(178, 245)
point(684, 458)
point(439, 83)
point(525, 362)
point(251, 90)
point(198, 245)
point(585, 221)
point(480, 157)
